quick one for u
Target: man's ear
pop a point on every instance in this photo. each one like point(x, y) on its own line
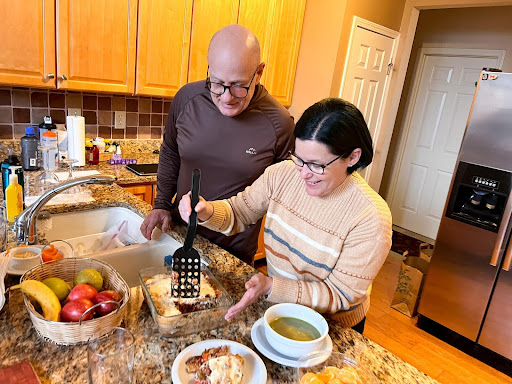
point(259, 72)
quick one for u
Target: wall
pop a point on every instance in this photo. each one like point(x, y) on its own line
point(484, 28)
point(325, 37)
point(387, 13)
point(21, 107)
point(321, 32)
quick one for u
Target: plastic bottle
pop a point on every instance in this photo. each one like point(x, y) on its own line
point(29, 153)
point(49, 140)
point(13, 198)
point(46, 125)
point(11, 165)
point(94, 155)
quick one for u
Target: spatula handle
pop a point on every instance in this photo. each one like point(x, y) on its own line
point(192, 220)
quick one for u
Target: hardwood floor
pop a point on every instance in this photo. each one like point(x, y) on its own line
point(399, 335)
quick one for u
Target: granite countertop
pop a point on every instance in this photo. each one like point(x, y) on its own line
point(154, 356)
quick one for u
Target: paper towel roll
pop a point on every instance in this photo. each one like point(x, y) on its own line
point(76, 139)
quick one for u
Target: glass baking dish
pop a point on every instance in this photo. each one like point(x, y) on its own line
point(199, 320)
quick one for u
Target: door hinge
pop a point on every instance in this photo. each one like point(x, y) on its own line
point(390, 67)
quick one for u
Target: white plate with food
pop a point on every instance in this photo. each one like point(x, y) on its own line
point(260, 341)
point(232, 359)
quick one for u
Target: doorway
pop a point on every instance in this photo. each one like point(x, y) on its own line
point(368, 69)
point(443, 86)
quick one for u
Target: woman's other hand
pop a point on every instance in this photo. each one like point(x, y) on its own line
point(203, 208)
point(257, 286)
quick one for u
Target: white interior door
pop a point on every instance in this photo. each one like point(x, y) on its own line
point(435, 123)
point(367, 72)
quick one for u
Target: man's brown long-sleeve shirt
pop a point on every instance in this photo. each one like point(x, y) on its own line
point(230, 151)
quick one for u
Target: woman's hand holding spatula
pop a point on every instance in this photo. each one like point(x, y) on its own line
point(203, 208)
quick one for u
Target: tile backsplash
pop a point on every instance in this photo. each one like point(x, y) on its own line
point(21, 107)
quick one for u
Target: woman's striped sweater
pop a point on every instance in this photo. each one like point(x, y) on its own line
point(323, 252)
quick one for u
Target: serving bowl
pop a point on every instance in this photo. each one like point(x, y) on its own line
point(331, 365)
point(289, 347)
point(23, 264)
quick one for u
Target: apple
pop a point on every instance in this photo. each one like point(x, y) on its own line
point(73, 310)
point(82, 291)
point(105, 309)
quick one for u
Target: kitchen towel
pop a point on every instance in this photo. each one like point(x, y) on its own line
point(76, 139)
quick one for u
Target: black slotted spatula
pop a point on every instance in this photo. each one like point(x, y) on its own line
point(186, 262)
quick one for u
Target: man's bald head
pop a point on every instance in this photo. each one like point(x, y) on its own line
point(236, 42)
point(234, 60)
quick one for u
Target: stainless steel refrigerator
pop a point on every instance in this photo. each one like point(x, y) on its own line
point(468, 288)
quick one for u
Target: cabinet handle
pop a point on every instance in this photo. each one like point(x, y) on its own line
point(48, 77)
point(64, 77)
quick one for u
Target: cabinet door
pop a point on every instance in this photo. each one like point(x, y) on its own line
point(27, 45)
point(163, 46)
point(284, 49)
point(142, 191)
point(278, 26)
point(258, 16)
point(208, 17)
point(96, 45)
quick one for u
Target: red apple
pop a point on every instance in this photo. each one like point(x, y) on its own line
point(105, 309)
point(82, 291)
point(73, 310)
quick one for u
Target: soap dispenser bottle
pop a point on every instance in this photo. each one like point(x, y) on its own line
point(13, 198)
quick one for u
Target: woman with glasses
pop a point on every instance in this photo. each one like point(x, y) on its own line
point(327, 233)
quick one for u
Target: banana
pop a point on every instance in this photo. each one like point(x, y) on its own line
point(46, 298)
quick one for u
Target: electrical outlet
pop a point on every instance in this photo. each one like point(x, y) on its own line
point(74, 111)
point(120, 120)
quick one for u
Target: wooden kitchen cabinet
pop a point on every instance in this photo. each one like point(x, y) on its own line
point(206, 21)
point(96, 44)
point(278, 26)
point(142, 191)
point(27, 45)
point(146, 47)
point(163, 46)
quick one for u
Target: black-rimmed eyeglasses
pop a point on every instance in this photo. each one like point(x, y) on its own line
point(319, 169)
point(235, 90)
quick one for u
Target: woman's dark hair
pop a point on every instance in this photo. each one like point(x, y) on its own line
point(339, 125)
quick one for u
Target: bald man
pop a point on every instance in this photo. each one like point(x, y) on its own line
point(228, 126)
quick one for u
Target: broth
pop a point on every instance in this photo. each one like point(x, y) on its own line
point(295, 329)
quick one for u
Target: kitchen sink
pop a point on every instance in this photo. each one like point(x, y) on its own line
point(81, 229)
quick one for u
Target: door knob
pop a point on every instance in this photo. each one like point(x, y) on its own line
point(64, 77)
point(48, 77)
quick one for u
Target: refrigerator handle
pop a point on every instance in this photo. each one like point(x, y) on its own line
point(508, 258)
point(501, 234)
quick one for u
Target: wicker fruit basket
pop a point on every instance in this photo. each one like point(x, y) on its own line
point(77, 333)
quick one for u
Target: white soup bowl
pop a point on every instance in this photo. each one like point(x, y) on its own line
point(289, 347)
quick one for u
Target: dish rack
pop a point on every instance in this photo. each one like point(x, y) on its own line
point(77, 333)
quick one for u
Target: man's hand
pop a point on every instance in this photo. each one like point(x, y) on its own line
point(203, 208)
point(257, 286)
point(155, 217)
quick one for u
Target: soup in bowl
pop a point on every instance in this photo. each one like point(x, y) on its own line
point(294, 330)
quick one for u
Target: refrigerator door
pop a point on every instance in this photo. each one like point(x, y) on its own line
point(460, 278)
point(487, 140)
point(497, 330)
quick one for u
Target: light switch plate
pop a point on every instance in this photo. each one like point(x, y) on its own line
point(74, 111)
point(120, 120)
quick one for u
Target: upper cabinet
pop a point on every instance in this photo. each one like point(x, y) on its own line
point(96, 43)
point(27, 45)
point(163, 46)
point(206, 21)
point(278, 26)
point(146, 47)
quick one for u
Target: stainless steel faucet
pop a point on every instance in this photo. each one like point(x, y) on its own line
point(26, 231)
